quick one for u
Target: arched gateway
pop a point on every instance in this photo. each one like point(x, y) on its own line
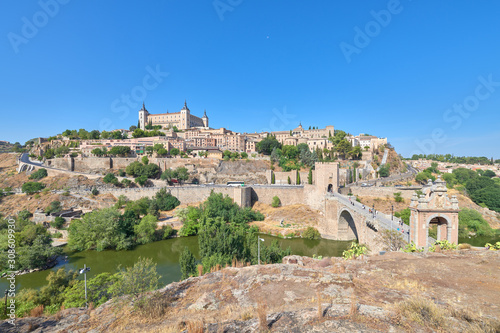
point(434, 208)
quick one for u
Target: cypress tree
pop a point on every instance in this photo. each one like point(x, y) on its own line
point(310, 177)
point(354, 176)
point(289, 181)
point(298, 177)
point(273, 178)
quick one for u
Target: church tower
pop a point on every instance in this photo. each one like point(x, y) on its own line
point(143, 117)
point(205, 119)
point(185, 117)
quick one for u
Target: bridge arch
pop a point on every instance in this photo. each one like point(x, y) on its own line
point(346, 226)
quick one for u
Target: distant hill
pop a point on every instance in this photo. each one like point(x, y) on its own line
point(5, 147)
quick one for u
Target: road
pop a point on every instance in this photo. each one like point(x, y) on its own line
point(25, 159)
point(411, 171)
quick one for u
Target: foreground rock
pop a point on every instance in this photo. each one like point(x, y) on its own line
point(397, 292)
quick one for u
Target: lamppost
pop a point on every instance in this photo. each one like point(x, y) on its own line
point(392, 213)
point(84, 271)
point(373, 210)
point(6, 291)
point(258, 247)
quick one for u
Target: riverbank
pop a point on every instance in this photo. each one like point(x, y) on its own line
point(448, 291)
point(166, 254)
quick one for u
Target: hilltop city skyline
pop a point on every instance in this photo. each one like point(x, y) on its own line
point(422, 74)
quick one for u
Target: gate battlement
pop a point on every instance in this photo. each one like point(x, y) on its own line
point(434, 207)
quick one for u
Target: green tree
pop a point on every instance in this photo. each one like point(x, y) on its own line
point(165, 200)
point(134, 280)
point(39, 174)
point(32, 187)
point(96, 230)
point(110, 179)
point(289, 181)
point(187, 263)
point(174, 152)
point(384, 170)
point(267, 145)
point(97, 291)
point(310, 177)
point(58, 222)
point(141, 180)
point(273, 178)
point(298, 177)
point(311, 233)
point(145, 230)
point(145, 160)
point(276, 202)
point(120, 151)
point(181, 174)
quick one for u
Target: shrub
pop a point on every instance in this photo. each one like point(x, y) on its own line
point(110, 179)
point(398, 197)
point(495, 246)
point(95, 191)
point(54, 207)
point(276, 202)
point(39, 174)
point(411, 247)
point(58, 222)
point(32, 187)
point(355, 251)
point(56, 235)
point(187, 263)
point(311, 233)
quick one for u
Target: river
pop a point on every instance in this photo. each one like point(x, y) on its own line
point(166, 255)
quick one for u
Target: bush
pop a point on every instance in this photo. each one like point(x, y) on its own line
point(355, 251)
point(398, 197)
point(110, 179)
point(56, 235)
point(95, 191)
point(311, 233)
point(32, 187)
point(58, 222)
point(187, 263)
point(39, 174)
point(384, 170)
point(276, 202)
point(54, 207)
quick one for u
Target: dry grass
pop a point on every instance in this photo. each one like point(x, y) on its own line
point(464, 246)
point(423, 312)
point(195, 326)
point(475, 322)
point(200, 270)
point(354, 310)
point(411, 286)
point(37, 311)
point(320, 310)
point(261, 312)
point(153, 306)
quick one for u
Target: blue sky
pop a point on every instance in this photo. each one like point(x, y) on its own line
point(425, 74)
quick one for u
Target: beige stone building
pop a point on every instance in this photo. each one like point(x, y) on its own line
point(182, 120)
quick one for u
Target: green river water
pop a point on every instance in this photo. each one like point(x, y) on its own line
point(166, 254)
